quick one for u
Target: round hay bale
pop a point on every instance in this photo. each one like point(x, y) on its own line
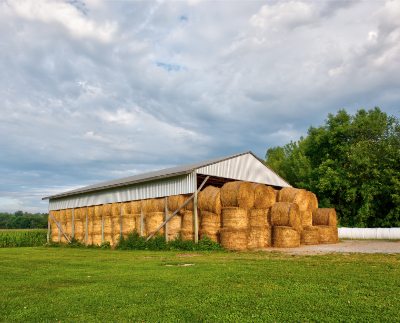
point(285, 214)
point(294, 195)
point(312, 202)
point(159, 204)
point(128, 224)
point(264, 196)
point(231, 238)
point(212, 235)
point(153, 221)
point(175, 224)
point(210, 222)
point(325, 217)
point(327, 234)
point(268, 236)
point(115, 229)
point(138, 224)
point(53, 225)
point(98, 211)
point(285, 237)
point(190, 205)
point(256, 239)
point(187, 235)
point(126, 208)
point(115, 209)
point(336, 233)
point(259, 216)
point(136, 206)
point(309, 236)
point(306, 218)
point(235, 218)
point(187, 220)
point(147, 206)
point(209, 199)
point(107, 209)
point(237, 194)
point(175, 202)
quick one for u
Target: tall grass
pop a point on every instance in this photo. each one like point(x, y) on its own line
point(22, 238)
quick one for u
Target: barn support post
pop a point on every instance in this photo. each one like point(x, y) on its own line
point(195, 222)
point(141, 218)
point(73, 224)
point(86, 231)
point(165, 218)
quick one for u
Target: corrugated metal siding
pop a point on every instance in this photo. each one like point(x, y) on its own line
point(183, 184)
point(245, 168)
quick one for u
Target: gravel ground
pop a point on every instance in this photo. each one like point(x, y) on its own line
point(345, 246)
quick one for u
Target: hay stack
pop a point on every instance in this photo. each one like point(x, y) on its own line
point(138, 224)
point(325, 217)
point(257, 235)
point(126, 208)
point(210, 222)
point(98, 211)
point(115, 209)
point(188, 221)
point(147, 206)
point(237, 194)
point(108, 232)
point(268, 236)
point(306, 218)
point(209, 199)
point(136, 207)
point(232, 238)
point(128, 224)
point(235, 218)
point(259, 216)
point(285, 215)
point(312, 202)
point(107, 209)
point(90, 214)
point(327, 234)
point(96, 233)
point(80, 224)
point(212, 236)
point(115, 229)
point(309, 236)
point(63, 223)
point(53, 225)
point(175, 202)
point(174, 226)
point(68, 219)
point(159, 204)
point(264, 196)
point(285, 237)
point(294, 195)
point(153, 221)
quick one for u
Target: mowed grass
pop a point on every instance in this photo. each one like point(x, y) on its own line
point(42, 284)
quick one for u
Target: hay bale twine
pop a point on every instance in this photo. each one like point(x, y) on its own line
point(237, 194)
point(232, 238)
point(213, 236)
point(327, 234)
point(294, 195)
point(107, 209)
point(268, 236)
point(235, 218)
point(264, 196)
point(285, 237)
point(153, 221)
point(325, 217)
point(53, 225)
point(309, 236)
point(312, 202)
point(138, 223)
point(187, 220)
point(115, 229)
point(126, 208)
point(136, 206)
point(210, 222)
point(147, 206)
point(209, 199)
point(175, 202)
point(115, 209)
point(259, 216)
point(256, 239)
point(159, 204)
point(306, 218)
point(128, 224)
point(285, 215)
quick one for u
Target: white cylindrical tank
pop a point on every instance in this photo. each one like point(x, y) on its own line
point(369, 233)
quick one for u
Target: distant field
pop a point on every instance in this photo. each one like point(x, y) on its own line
point(22, 238)
point(21, 230)
point(87, 285)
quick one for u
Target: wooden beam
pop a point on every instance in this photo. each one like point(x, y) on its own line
point(59, 227)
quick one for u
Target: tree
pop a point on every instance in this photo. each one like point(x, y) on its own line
point(352, 164)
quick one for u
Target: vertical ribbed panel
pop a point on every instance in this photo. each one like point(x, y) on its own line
point(244, 168)
point(183, 184)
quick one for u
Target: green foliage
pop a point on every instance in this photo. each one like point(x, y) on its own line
point(20, 220)
point(352, 164)
point(74, 244)
point(105, 245)
point(26, 238)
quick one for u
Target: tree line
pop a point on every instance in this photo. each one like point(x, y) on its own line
point(352, 164)
point(21, 220)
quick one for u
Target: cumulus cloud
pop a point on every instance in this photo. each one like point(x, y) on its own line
point(97, 90)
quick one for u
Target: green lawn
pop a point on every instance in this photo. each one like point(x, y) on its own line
point(40, 284)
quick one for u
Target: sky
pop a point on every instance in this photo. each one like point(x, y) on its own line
point(98, 90)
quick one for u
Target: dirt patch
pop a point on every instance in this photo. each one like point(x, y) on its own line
point(188, 255)
point(345, 246)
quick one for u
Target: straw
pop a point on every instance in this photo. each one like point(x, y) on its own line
point(210, 222)
point(285, 214)
point(309, 236)
point(264, 196)
point(209, 199)
point(325, 217)
point(237, 194)
point(294, 195)
point(285, 237)
point(232, 238)
point(235, 218)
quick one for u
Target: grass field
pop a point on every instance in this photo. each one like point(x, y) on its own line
point(42, 284)
point(22, 238)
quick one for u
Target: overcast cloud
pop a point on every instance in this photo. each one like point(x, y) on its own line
point(98, 90)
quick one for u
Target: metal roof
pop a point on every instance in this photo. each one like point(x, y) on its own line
point(164, 173)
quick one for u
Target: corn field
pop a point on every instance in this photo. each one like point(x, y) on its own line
point(22, 238)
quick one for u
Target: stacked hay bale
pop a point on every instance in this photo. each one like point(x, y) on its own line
point(209, 204)
point(80, 224)
point(326, 220)
point(237, 199)
point(187, 231)
point(128, 219)
point(63, 224)
point(97, 225)
point(210, 225)
point(286, 225)
point(107, 223)
point(136, 208)
point(174, 226)
point(90, 211)
point(53, 225)
point(115, 223)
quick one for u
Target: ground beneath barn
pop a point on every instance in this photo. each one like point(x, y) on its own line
point(345, 246)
